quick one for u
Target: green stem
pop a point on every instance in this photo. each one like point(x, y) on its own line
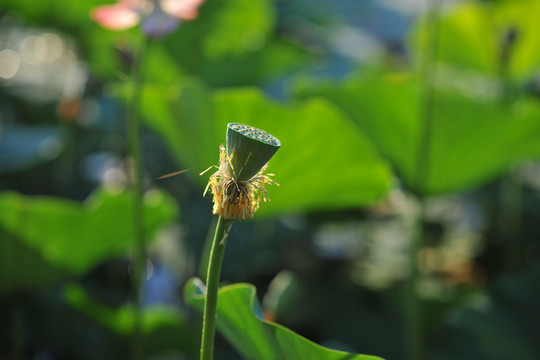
point(412, 303)
point(510, 210)
point(510, 188)
point(428, 75)
point(413, 314)
point(133, 129)
point(212, 284)
point(207, 247)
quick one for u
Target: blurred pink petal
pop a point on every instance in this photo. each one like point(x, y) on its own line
point(119, 16)
point(182, 9)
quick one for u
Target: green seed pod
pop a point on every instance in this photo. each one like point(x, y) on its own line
point(249, 149)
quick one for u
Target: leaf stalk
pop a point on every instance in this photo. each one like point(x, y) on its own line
point(212, 285)
point(133, 130)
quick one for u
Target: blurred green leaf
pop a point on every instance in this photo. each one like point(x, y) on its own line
point(239, 319)
point(236, 26)
point(476, 35)
point(276, 58)
point(120, 320)
point(472, 140)
point(47, 238)
point(233, 42)
point(466, 38)
point(61, 13)
point(108, 53)
point(325, 161)
point(163, 326)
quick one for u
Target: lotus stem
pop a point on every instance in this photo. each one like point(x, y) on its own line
point(212, 285)
point(413, 314)
point(133, 129)
point(237, 187)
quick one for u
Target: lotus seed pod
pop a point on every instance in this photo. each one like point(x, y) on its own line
point(249, 150)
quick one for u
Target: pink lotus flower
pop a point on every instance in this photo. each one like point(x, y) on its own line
point(159, 17)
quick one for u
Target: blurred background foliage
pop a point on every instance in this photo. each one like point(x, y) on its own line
point(345, 86)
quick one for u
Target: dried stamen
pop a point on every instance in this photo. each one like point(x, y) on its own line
point(233, 198)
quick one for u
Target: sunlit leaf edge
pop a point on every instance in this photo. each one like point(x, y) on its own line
point(121, 320)
point(194, 296)
point(405, 166)
point(90, 207)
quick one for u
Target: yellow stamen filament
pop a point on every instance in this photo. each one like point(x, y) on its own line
point(234, 199)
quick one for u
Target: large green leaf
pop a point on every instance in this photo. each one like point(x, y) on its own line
point(237, 26)
point(45, 238)
point(476, 35)
point(239, 319)
point(470, 140)
point(325, 161)
point(163, 326)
